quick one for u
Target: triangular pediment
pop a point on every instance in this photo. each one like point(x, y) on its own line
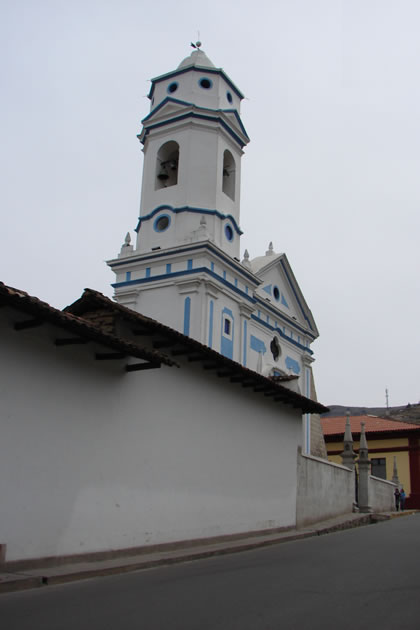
point(280, 288)
point(166, 109)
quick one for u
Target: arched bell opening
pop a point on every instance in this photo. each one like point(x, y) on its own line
point(167, 165)
point(229, 174)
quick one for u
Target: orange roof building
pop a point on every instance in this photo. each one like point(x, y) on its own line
point(386, 439)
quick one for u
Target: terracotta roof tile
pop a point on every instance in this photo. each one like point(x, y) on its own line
point(43, 312)
point(373, 424)
point(92, 300)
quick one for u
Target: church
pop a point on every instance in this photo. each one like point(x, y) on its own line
point(187, 252)
point(181, 409)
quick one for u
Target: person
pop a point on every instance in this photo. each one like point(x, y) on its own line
point(402, 499)
point(397, 499)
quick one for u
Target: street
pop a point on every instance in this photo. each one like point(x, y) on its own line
point(359, 578)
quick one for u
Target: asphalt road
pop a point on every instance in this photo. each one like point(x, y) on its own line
point(367, 577)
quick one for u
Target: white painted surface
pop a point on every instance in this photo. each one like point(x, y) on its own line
point(381, 495)
point(93, 458)
point(325, 490)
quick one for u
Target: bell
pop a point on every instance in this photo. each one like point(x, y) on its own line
point(163, 174)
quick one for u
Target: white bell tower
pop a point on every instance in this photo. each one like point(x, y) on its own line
point(184, 269)
point(193, 139)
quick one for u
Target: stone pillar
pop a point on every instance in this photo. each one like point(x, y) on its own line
point(348, 455)
point(395, 474)
point(364, 472)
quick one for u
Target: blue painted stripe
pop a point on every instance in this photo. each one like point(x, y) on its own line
point(208, 247)
point(245, 342)
point(191, 210)
point(211, 315)
point(187, 315)
point(296, 296)
point(185, 273)
point(217, 119)
point(197, 69)
point(283, 316)
point(170, 99)
point(207, 271)
point(282, 334)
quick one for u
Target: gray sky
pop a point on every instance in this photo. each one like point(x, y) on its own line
point(331, 175)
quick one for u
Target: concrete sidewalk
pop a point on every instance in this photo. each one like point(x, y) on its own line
point(67, 572)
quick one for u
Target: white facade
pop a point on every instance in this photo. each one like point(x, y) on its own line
point(185, 269)
point(93, 458)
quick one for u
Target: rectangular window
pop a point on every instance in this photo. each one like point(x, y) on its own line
point(189, 264)
point(148, 272)
point(127, 276)
point(168, 268)
point(378, 467)
point(227, 326)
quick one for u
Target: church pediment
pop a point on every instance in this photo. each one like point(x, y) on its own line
point(167, 109)
point(279, 287)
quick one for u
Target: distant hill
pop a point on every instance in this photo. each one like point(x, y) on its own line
point(407, 413)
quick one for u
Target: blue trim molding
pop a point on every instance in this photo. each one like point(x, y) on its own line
point(187, 315)
point(245, 342)
point(211, 315)
point(217, 119)
point(177, 101)
point(295, 294)
point(208, 247)
point(189, 209)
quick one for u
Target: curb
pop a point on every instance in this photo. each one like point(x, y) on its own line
point(10, 582)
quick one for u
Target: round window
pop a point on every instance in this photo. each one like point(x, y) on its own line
point(229, 97)
point(162, 223)
point(276, 293)
point(228, 232)
point(205, 83)
point(172, 87)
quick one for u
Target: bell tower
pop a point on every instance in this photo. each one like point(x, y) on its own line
point(193, 140)
point(184, 269)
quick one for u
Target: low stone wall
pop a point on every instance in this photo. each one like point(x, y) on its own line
point(325, 490)
point(381, 494)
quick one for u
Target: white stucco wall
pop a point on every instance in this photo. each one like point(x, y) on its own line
point(381, 495)
point(325, 490)
point(93, 458)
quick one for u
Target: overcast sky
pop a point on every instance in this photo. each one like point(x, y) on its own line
point(331, 175)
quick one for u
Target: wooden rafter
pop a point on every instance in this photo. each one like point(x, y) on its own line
point(135, 367)
point(28, 323)
point(70, 341)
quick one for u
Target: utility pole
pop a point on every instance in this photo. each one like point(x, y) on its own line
point(386, 397)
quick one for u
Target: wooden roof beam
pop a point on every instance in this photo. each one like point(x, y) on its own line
point(135, 367)
point(28, 323)
point(110, 356)
point(163, 343)
point(70, 341)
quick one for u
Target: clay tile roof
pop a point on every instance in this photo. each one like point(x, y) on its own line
point(92, 300)
point(41, 312)
point(373, 424)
